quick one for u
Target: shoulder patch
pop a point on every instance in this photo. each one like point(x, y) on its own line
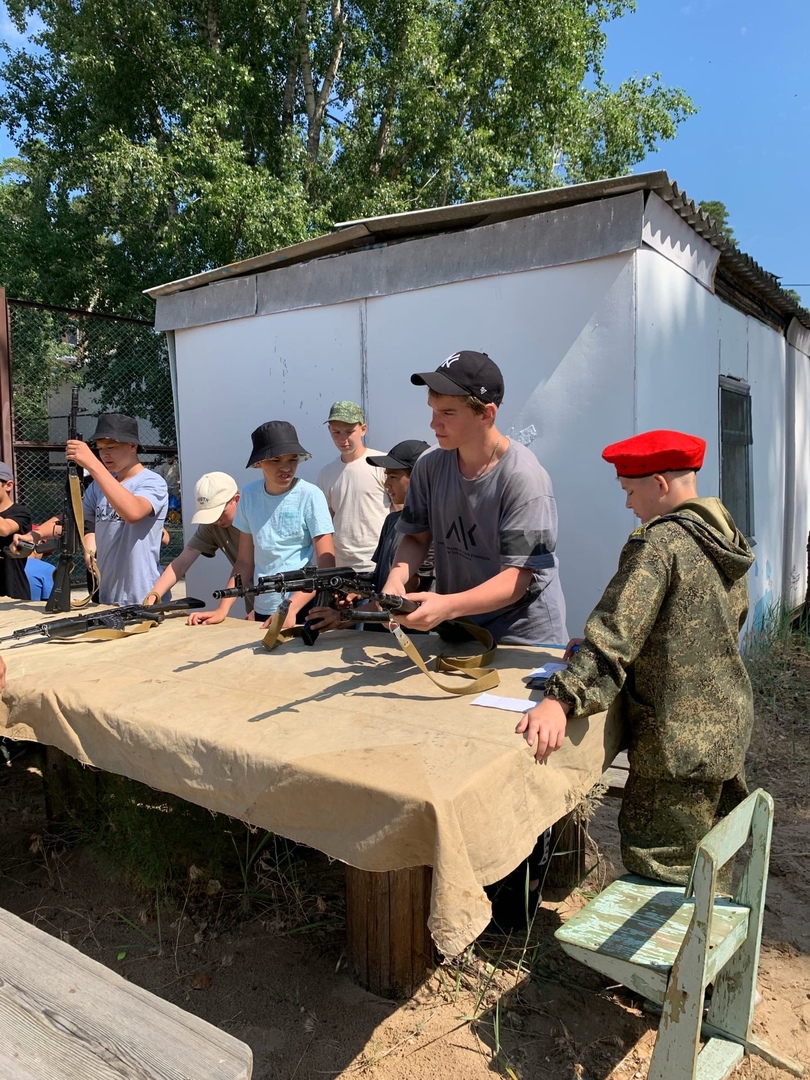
point(638, 534)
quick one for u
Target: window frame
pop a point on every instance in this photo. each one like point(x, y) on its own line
point(740, 389)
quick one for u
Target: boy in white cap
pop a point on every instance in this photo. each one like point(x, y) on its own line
point(216, 498)
point(355, 494)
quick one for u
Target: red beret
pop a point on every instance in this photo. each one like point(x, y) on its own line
point(655, 452)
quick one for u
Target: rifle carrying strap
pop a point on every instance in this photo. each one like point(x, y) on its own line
point(110, 633)
point(75, 487)
point(275, 635)
point(477, 676)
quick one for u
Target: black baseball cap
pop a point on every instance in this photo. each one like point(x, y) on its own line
point(401, 456)
point(273, 439)
point(116, 426)
point(465, 373)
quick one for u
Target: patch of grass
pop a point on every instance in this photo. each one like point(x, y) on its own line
point(173, 850)
point(777, 657)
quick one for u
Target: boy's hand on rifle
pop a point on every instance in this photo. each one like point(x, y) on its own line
point(206, 618)
point(433, 609)
point(324, 618)
point(80, 453)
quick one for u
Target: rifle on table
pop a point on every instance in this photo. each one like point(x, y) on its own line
point(72, 535)
point(329, 585)
point(113, 619)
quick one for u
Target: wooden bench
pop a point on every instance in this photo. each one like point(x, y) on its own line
point(616, 776)
point(65, 1017)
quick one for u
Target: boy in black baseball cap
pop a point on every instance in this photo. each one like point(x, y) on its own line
point(488, 507)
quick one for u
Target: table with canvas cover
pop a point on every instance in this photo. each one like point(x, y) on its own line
point(344, 746)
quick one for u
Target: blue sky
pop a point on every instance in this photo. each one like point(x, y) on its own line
point(744, 63)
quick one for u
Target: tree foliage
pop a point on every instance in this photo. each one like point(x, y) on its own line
point(159, 138)
point(718, 212)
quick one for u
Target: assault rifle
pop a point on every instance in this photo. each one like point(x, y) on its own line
point(112, 619)
point(69, 541)
point(329, 584)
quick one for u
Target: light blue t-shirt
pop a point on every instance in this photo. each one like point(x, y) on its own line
point(128, 555)
point(282, 527)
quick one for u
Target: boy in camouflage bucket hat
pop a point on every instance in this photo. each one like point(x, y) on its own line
point(354, 493)
point(664, 638)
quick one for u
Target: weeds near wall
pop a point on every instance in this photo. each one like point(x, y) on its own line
point(777, 656)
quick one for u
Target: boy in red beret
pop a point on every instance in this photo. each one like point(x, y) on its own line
point(664, 637)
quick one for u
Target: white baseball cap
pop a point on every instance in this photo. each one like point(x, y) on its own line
point(212, 493)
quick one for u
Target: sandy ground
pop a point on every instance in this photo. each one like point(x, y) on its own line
point(271, 969)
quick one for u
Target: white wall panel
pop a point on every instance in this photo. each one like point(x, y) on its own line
point(678, 349)
point(766, 375)
point(563, 338)
point(235, 375)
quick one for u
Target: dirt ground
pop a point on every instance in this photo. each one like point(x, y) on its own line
point(271, 970)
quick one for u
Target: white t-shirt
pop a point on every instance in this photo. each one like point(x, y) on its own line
point(357, 500)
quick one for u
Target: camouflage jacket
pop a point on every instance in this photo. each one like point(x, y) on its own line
point(665, 637)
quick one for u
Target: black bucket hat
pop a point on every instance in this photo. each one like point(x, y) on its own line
point(401, 456)
point(116, 426)
point(273, 439)
point(463, 374)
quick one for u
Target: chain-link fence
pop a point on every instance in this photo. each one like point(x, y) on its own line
point(119, 365)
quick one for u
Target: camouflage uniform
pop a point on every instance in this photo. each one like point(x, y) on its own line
point(664, 637)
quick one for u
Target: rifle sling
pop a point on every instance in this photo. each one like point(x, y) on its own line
point(75, 488)
point(109, 633)
point(473, 669)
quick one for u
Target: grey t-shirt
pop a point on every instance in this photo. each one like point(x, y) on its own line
point(128, 555)
point(209, 539)
point(507, 517)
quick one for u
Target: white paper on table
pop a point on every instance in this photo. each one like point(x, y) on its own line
point(545, 671)
point(509, 704)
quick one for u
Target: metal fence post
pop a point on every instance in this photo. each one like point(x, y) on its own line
point(6, 402)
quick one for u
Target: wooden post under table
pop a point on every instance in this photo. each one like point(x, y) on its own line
point(391, 952)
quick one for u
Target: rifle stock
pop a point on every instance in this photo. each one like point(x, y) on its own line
point(110, 619)
point(59, 600)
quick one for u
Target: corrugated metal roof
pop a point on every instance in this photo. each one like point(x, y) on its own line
point(738, 274)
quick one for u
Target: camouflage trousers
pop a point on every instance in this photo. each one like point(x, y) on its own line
point(661, 822)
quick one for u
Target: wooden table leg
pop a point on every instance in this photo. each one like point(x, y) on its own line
point(391, 952)
point(566, 868)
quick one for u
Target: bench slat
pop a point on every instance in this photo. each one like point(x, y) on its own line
point(67, 1017)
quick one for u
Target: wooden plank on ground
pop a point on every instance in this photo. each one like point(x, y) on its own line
point(67, 1017)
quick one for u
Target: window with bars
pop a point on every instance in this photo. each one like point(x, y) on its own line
point(736, 441)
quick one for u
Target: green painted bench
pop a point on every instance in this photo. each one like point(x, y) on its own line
point(668, 944)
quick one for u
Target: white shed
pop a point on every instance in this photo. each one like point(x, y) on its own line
point(612, 308)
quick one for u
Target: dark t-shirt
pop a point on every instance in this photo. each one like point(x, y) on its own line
point(13, 579)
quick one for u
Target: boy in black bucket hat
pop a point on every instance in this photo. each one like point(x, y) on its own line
point(283, 521)
point(127, 505)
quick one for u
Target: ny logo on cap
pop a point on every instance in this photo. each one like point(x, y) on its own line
point(450, 360)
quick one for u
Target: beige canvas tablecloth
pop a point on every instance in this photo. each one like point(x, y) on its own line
point(345, 746)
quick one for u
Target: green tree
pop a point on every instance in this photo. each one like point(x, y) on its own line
point(159, 139)
point(719, 214)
